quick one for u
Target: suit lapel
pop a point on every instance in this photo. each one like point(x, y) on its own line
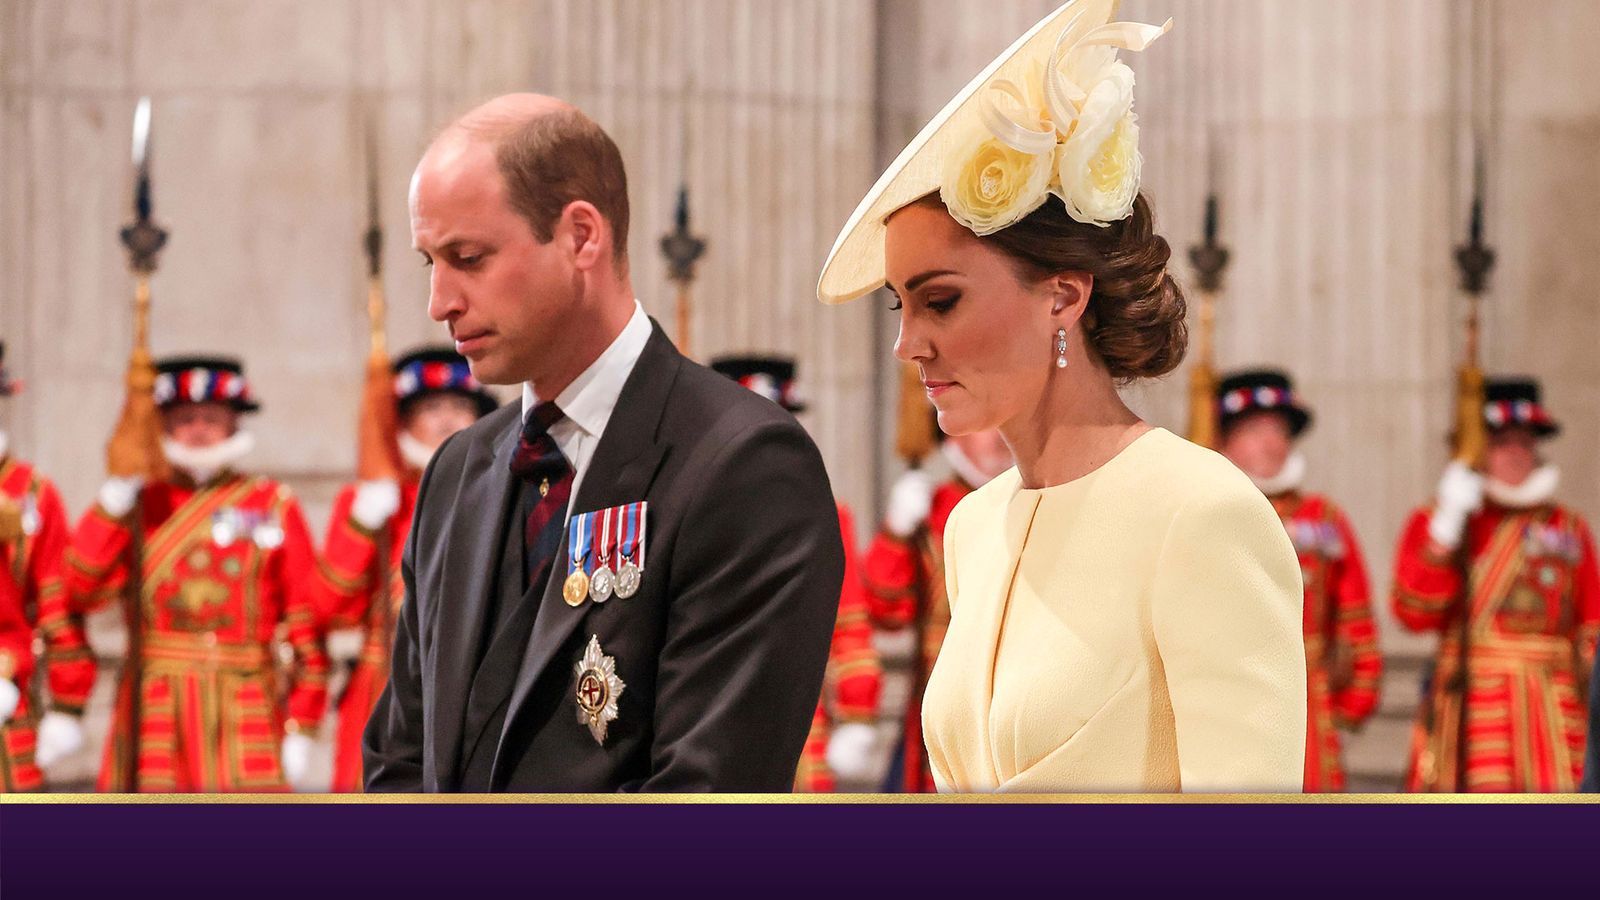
point(477, 525)
point(621, 471)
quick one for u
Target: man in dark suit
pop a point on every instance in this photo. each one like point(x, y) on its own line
point(516, 665)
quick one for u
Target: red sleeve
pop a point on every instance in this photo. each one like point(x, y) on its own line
point(1586, 596)
point(890, 581)
point(1425, 586)
point(296, 564)
point(342, 585)
point(69, 663)
point(1354, 630)
point(852, 660)
point(16, 638)
point(95, 567)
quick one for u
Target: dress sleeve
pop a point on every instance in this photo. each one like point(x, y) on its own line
point(1226, 610)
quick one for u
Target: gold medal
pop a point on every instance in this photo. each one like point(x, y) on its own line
point(575, 588)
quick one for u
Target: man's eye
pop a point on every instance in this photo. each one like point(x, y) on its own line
point(469, 260)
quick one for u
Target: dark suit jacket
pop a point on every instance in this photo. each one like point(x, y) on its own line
point(722, 650)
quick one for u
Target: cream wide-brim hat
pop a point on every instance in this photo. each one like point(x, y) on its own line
point(855, 265)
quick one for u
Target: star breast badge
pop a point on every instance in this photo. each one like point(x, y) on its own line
point(598, 689)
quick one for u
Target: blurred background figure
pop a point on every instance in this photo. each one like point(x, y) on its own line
point(436, 396)
point(904, 573)
point(1260, 419)
point(843, 741)
point(1506, 575)
point(40, 639)
point(219, 562)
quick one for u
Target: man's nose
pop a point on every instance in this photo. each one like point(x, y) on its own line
point(444, 294)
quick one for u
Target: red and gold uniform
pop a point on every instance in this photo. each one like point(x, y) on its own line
point(343, 594)
point(905, 581)
point(33, 614)
point(224, 567)
point(854, 679)
point(1529, 579)
point(1343, 665)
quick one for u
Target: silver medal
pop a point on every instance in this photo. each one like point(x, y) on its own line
point(223, 528)
point(601, 584)
point(268, 535)
point(30, 516)
point(628, 578)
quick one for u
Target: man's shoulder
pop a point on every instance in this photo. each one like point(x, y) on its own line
point(704, 402)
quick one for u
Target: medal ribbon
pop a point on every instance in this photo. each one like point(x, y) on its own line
point(629, 533)
point(578, 537)
point(602, 551)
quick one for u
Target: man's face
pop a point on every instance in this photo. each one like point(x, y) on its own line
point(432, 419)
point(200, 425)
point(1512, 455)
point(504, 296)
point(1258, 443)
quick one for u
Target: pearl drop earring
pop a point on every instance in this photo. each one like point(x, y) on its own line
point(1061, 348)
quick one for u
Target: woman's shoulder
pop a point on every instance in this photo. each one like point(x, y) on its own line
point(1184, 475)
point(988, 500)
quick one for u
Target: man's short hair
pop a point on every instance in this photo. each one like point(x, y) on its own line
point(556, 158)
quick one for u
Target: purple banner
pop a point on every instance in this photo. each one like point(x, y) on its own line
point(285, 850)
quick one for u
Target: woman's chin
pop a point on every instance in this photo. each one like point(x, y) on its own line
point(957, 419)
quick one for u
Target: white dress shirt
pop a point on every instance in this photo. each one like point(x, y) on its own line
point(591, 397)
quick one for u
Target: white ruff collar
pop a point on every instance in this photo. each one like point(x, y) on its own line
point(964, 468)
point(207, 463)
point(415, 453)
point(1535, 490)
point(1289, 478)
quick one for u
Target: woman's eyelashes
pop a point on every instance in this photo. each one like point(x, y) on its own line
point(939, 306)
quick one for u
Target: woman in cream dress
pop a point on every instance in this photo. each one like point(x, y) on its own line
point(1125, 605)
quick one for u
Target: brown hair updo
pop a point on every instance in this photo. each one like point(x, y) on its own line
point(1135, 320)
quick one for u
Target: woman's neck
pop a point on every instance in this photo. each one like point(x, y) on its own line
point(1078, 425)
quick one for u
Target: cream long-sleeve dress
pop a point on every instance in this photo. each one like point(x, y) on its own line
point(1136, 629)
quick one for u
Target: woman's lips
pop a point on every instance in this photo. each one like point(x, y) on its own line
point(935, 388)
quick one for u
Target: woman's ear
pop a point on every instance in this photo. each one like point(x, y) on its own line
point(1069, 296)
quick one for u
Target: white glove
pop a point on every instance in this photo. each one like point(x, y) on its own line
point(117, 495)
point(1460, 495)
point(344, 644)
point(910, 502)
point(375, 503)
point(296, 756)
point(850, 750)
point(60, 736)
point(10, 696)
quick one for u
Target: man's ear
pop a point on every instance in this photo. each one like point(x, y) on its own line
point(1069, 296)
point(586, 234)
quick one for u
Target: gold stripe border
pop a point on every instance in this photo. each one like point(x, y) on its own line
point(310, 799)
